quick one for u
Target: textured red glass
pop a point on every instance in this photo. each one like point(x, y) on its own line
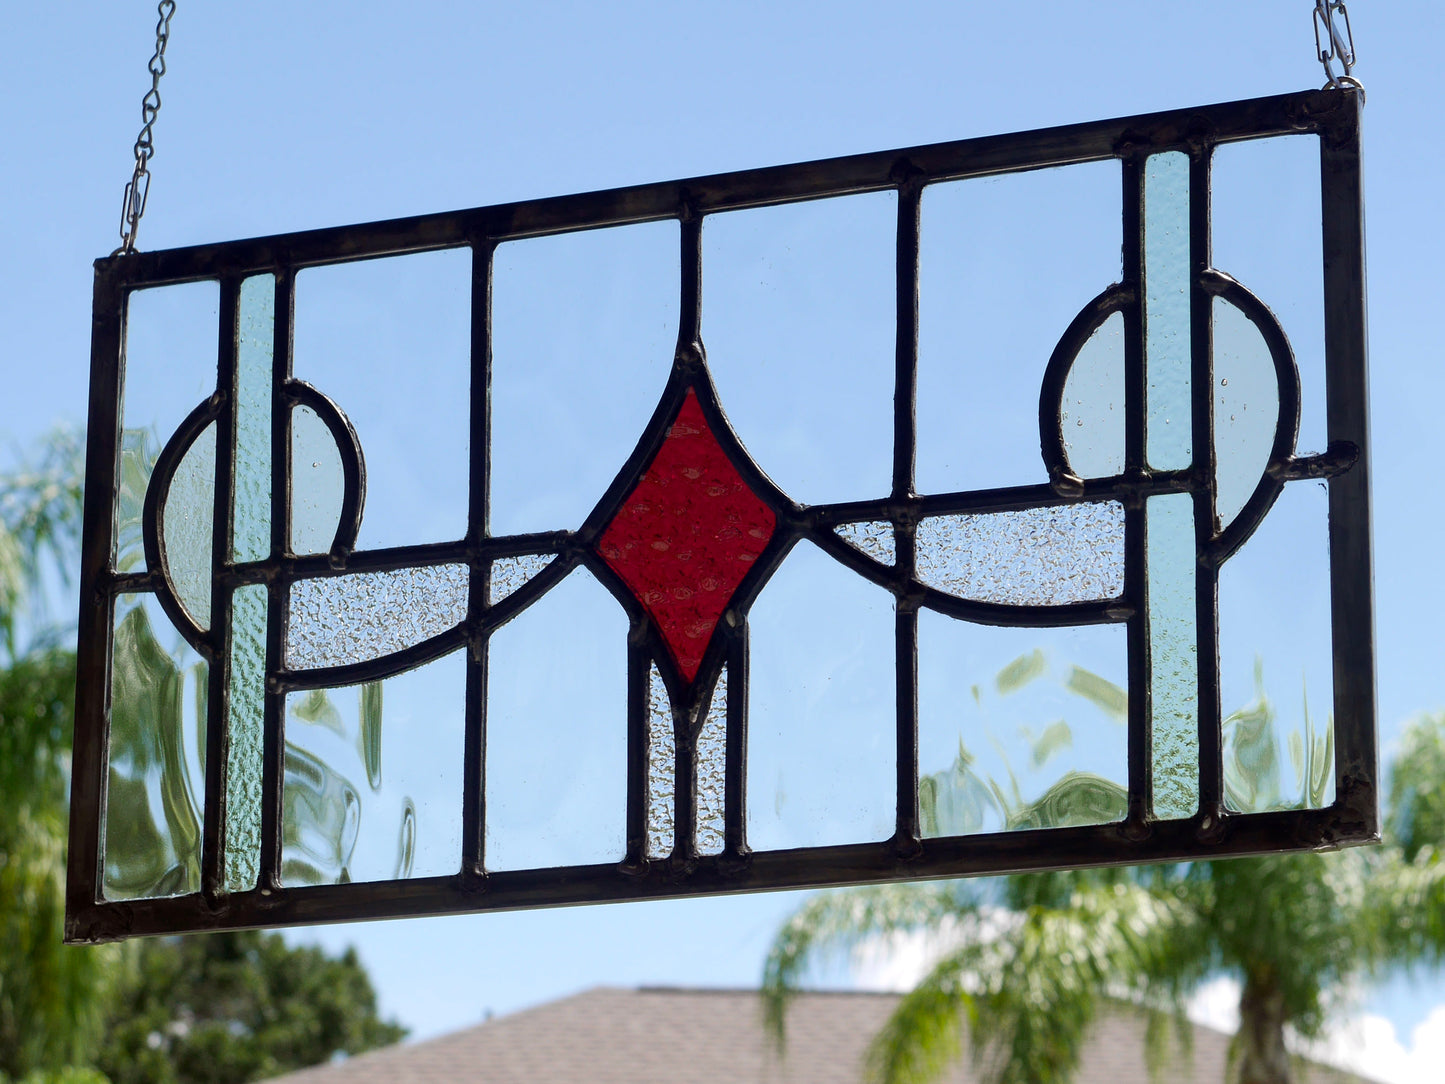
point(687, 535)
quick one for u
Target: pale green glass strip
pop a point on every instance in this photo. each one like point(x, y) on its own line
point(243, 754)
point(1173, 656)
point(251, 527)
point(1166, 310)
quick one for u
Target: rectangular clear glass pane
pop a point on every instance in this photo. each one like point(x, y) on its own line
point(1173, 655)
point(822, 735)
point(1275, 661)
point(792, 297)
point(989, 318)
point(155, 794)
point(389, 341)
point(373, 786)
point(584, 329)
point(556, 790)
point(244, 729)
point(171, 337)
point(1020, 728)
point(1167, 338)
point(255, 334)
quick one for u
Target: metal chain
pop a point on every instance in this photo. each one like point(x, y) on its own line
point(1335, 44)
point(134, 204)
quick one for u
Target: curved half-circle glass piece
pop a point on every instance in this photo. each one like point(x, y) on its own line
point(1091, 414)
point(1035, 557)
point(1246, 408)
point(318, 483)
point(874, 537)
point(188, 524)
point(338, 620)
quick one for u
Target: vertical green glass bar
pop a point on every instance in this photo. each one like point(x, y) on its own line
point(243, 760)
point(1169, 436)
point(1173, 656)
point(251, 527)
point(250, 541)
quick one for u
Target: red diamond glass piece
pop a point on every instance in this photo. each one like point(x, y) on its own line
point(687, 535)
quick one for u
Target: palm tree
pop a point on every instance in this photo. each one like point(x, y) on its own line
point(51, 996)
point(1028, 961)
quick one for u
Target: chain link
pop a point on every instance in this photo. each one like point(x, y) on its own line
point(1335, 44)
point(134, 203)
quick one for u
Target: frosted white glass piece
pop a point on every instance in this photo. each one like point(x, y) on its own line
point(661, 768)
point(1034, 557)
point(337, 620)
point(510, 573)
point(873, 537)
point(712, 771)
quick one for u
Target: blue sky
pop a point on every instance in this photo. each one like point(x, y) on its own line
point(279, 117)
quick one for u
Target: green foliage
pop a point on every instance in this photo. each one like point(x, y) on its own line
point(228, 1007)
point(1417, 798)
point(233, 1007)
point(1024, 963)
point(51, 995)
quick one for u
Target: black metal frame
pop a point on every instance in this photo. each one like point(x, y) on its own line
point(1214, 831)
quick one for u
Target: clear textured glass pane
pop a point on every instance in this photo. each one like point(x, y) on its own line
point(170, 368)
point(1267, 235)
point(1246, 408)
point(337, 620)
point(1173, 655)
point(661, 768)
point(1275, 663)
point(251, 527)
point(1167, 350)
point(821, 703)
point(793, 296)
point(390, 342)
point(557, 731)
point(318, 483)
point(712, 772)
point(1092, 413)
point(1035, 557)
point(584, 328)
point(510, 573)
point(1020, 728)
point(156, 786)
point(980, 358)
point(373, 787)
point(873, 537)
point(244, 731)
point(189, 521)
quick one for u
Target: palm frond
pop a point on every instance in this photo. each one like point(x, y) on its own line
point(840, 921)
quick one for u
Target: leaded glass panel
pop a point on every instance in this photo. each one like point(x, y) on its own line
point(988, 516)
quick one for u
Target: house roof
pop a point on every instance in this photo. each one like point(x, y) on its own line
point(696, 1036)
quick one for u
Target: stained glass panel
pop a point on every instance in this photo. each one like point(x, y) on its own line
point(1038, 557)
point(919, 514)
